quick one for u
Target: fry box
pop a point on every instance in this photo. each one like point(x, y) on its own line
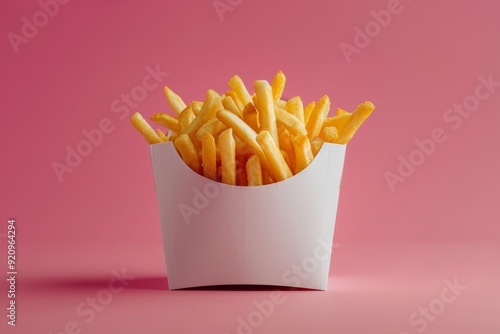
point(216, 234)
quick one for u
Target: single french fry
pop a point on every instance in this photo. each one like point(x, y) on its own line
point(308, 110)
point(243, 149)
point(188, 152)
point(316, 145)
point(278, 167)
point(244, 132)
point(227, 149)
point(167, 121)
point(229, 104)
point(317, 117)
point(329, 134)
point(338, 121)
point(295, 107)
point(278, 85)
point(241, 174)
point(240, 89)
point(254, 171)
point(362, 112)
point(185, 118)
point(251, 116)
point(267, 117)
point(210, 107)
point(286, 144)
point(209, 156)
point(303, 153)
point(145, 129)
point(213, 126)
point(173, 137)
point(341, 112)
point(290, 122)
point(162, 135)
point(174, 100)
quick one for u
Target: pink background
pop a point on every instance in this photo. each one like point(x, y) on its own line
point(396, 246)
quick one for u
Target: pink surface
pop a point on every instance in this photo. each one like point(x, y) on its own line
point(399, 239)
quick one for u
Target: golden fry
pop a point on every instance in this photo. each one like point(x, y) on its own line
point(209, 156)
point(227, 149)
point(196, 106)
point(229, 104)
point(267, 117)
point(278, 167)
point(338, 121)
point(286, 144)
point(362, 112)
point(185, 118)
point(290, 122)
point(167, 121)
point(240, 89)
point(162, 135)
point(303, 153)
point(278, 85)
point(317, 117)
point(254, 171)
point(341, 112)
point(188, 152)
point(295, 107)
point(280, 103)
point(174, 100)
point(329, 134)
point(308, 110)
point(145, 129)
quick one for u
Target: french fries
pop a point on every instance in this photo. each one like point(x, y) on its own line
point(251, 140)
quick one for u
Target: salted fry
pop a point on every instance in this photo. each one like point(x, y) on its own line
point(338, 121)
point(227, 150)
point(145, 129)
point(303, 153)
point(341, 112)
point(167, 121)
point(254, 171)
point(251, 116)
point(209, 156)
point(278, 167)
point(362, 112)
point(308, 110)
point(210, 107)
point(240, 89)
point(174, 100)
point(229, 104)
point(316, 145)
point(188, 152)
point(162, 135)
point(317, 117)
point(290, 122)
point(267, 117)
point(329, 134)
point(295, 107)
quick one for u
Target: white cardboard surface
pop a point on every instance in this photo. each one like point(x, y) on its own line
point(279, 234)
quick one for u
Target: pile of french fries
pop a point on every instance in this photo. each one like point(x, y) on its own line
point(251, 140)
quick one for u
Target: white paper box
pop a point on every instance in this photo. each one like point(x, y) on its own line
point(216, 234)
